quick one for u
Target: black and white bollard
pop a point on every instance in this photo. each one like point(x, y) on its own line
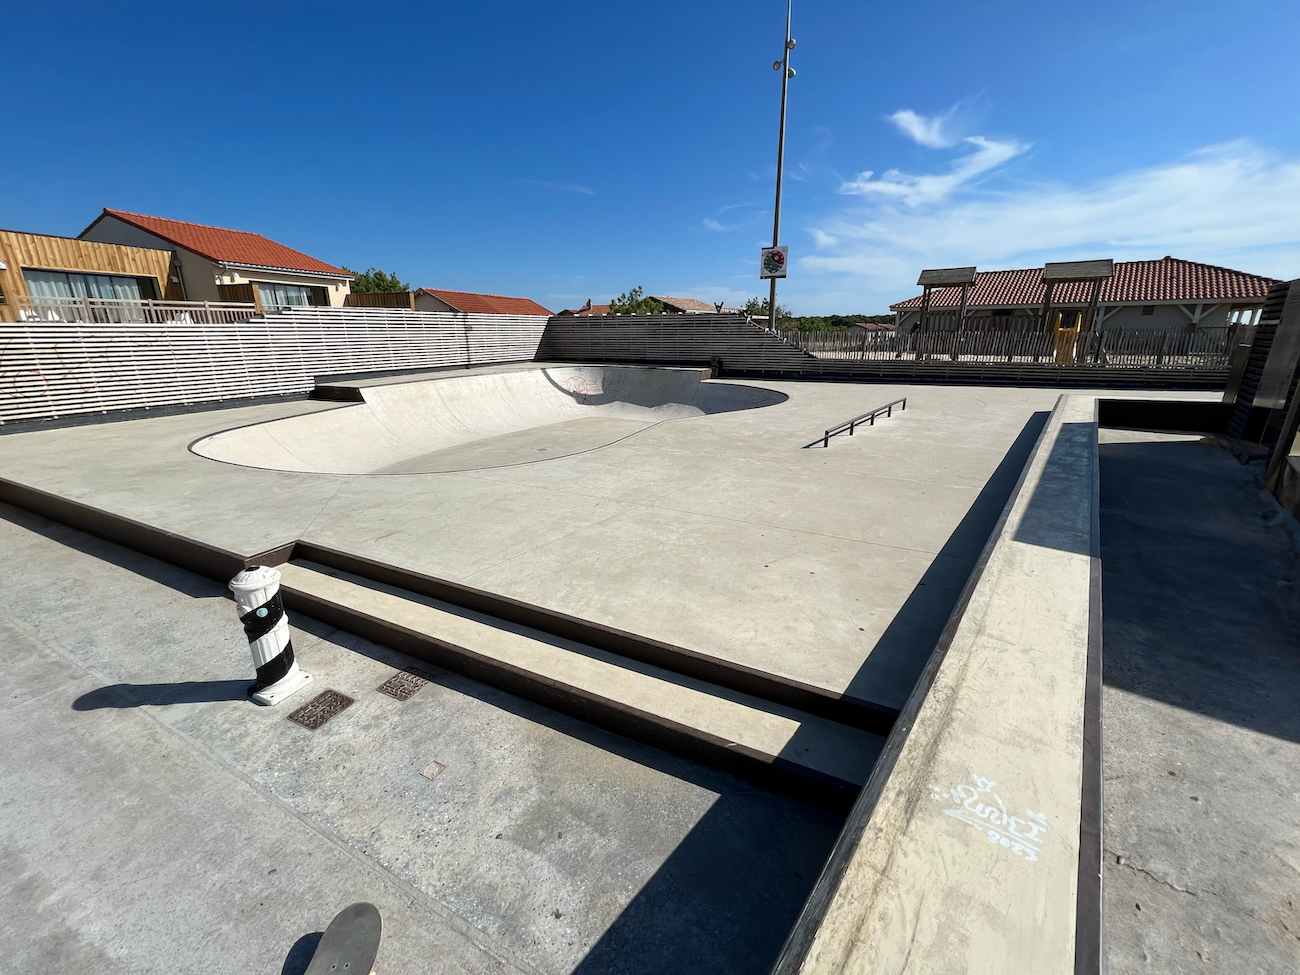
point(261, 610)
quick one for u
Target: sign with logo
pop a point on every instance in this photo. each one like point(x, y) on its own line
point(773, 261)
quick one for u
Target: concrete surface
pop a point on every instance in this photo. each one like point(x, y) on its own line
point(480, 420)
point(969, 859)
point(151, 820)
point(825, 749)
point(1201, 724)
point(836, 567)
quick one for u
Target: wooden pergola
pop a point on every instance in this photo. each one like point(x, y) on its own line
point(1072, 272)
point(945, 277)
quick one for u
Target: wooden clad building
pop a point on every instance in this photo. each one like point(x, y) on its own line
point(36, 264)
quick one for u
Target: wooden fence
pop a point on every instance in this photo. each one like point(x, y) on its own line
point(57, 369)
point(670, 340)
point(1026, 342)
point(382, 299)
point(1013, 353)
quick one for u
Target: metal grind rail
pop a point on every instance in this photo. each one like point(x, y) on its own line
point(850, 425)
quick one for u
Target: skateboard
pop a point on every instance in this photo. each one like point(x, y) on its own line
point(350, 944)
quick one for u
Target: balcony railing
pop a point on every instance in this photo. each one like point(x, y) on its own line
point(33, 308)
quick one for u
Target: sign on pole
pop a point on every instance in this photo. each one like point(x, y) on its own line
point(773, 261)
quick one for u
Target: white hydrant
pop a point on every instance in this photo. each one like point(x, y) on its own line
point(261, 610)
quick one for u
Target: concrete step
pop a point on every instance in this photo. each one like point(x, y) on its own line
point(778, 746)
point(802, 697)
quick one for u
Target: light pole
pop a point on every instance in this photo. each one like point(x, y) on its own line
point(787, 73)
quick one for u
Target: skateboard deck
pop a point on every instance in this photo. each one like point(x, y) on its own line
point(350, 944)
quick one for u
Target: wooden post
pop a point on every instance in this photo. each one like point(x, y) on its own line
point(919, 331)
point(1047, 304)
point(961, 323)
point(1086, 326)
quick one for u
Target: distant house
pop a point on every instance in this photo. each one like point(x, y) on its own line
point(586, 311)
point(216, 264)
point(874, 326)
point(685, 306)
point(439, 299)
point(39, 272)
point(1167, 294)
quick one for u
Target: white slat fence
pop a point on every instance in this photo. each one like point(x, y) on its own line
point(58, 369)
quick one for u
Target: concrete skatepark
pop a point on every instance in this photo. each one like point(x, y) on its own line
point(704, 700)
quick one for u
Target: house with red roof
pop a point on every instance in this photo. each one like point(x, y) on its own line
point(216, 264)
point(588, 310)
point(1168, 294)
point(440, 299)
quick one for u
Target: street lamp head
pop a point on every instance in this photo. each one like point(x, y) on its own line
point(776, 65)
point(789, 72)
point(789, 45)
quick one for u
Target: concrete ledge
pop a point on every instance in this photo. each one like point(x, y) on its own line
point(817, 701)
point(976, 844)
point(198, 557)
point(779, 748)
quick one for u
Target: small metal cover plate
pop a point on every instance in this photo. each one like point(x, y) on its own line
point(321, 708)
point(403, 684)
point(432, 770)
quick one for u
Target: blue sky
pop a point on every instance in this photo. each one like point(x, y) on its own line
point(573, 150)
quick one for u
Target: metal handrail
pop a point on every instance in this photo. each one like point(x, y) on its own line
point(851, 425)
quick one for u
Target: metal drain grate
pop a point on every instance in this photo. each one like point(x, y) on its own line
point(321, 708)
point(403, 684)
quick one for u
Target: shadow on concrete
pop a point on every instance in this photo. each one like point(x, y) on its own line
point(725, 899)
point(1047, 521)
point(149, 568)
point(896, 661)
point(1201, 576)
point(157, 695)
point(300, 955)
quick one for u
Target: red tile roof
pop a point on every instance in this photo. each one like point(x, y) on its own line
point(469, 301)
point(224, 246)
point(1150, 282)
point(585, 312)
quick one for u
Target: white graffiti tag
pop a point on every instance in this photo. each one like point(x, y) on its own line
point(984, 809)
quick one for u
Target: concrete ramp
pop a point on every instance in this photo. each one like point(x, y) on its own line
point(473, 422)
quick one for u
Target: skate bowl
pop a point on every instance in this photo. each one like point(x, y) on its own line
point(475, 422)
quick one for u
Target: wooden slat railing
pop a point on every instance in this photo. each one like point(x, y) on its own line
point(35, 308)
point(51, 369)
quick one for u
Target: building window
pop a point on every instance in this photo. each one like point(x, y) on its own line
point(1148, 309)
point(64, 284)
point(276, 295)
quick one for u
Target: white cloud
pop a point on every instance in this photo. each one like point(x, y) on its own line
point(915, 190)
point(1234, 204)
point(932, 131)
point(561, 187)
point(745, 221)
